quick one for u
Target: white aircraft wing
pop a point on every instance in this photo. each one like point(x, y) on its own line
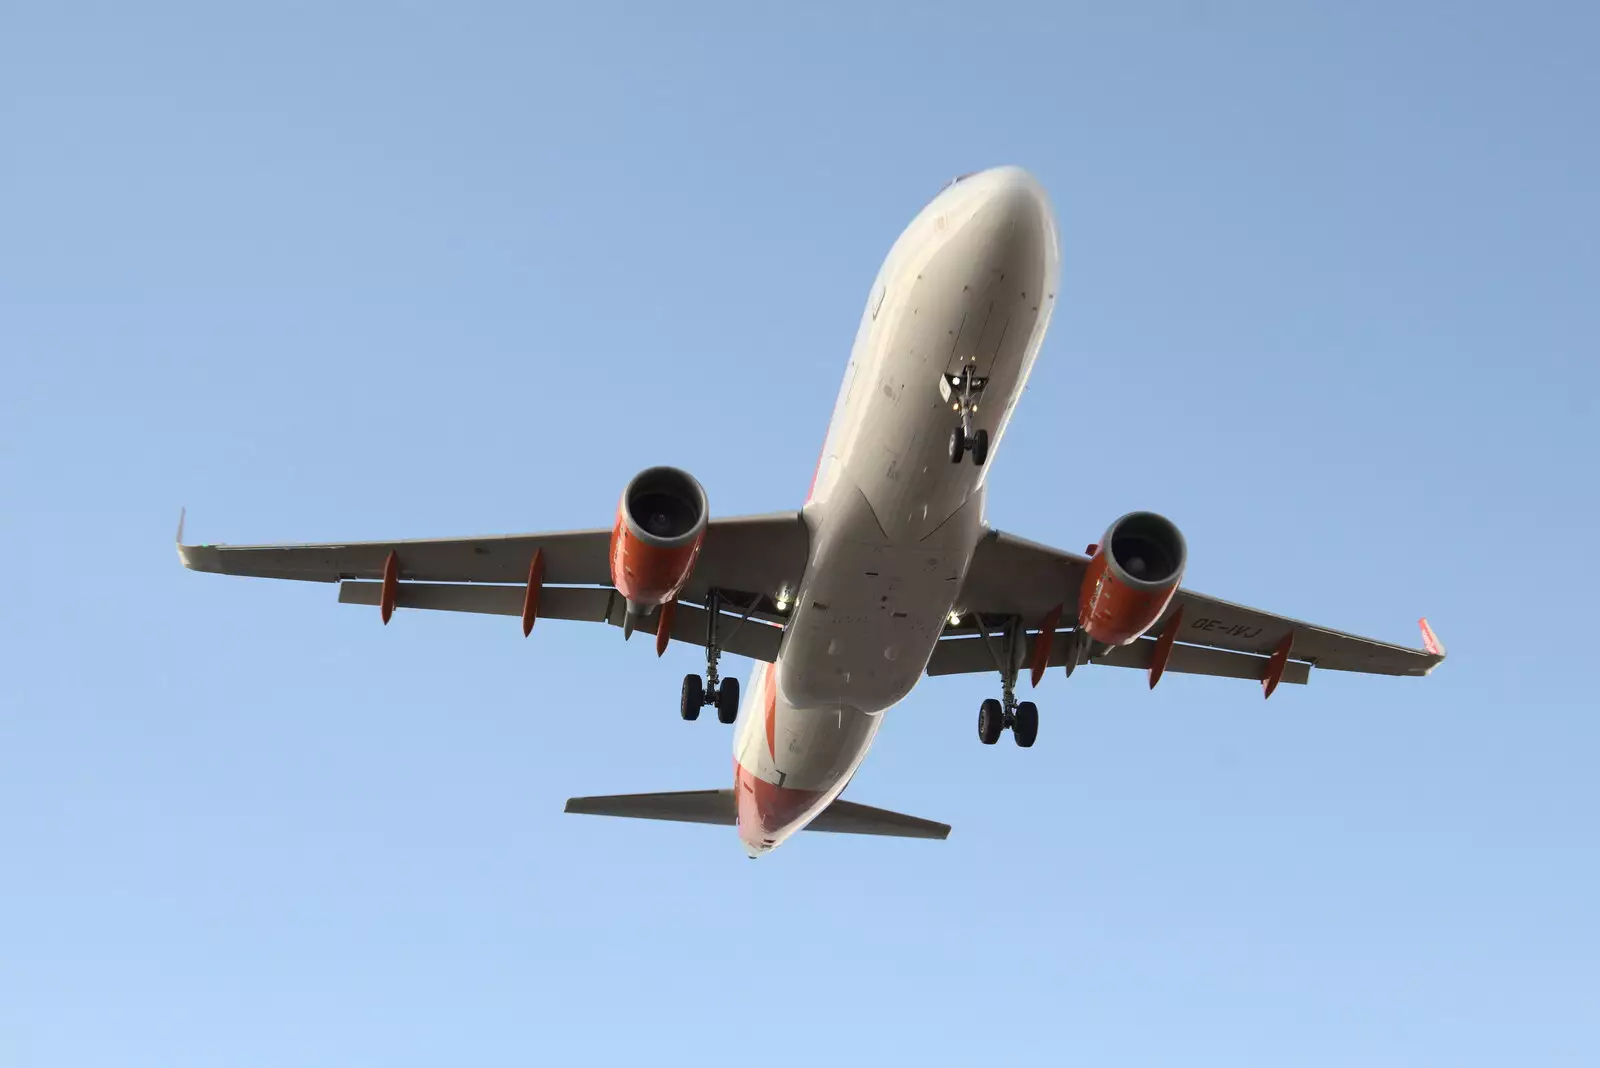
point(747, 559)
point(1013, 577)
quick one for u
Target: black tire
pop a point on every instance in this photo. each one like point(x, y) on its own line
point(727, 700)
point(958, 445)
point(980, 447)
point(991, 721)
point(693, 697)
point(1025, 728)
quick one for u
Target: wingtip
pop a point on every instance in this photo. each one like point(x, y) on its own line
point(1430, 640)
point(194, 557)
point(183, 550)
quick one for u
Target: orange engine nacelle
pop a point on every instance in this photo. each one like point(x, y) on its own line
point(1132, 576)
point(661, 521)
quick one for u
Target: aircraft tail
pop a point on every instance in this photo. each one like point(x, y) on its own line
point(719, 806)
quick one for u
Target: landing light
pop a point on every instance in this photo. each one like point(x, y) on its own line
point(955, 619)
point(783, 600)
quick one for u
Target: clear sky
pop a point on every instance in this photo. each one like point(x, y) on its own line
point(325, 271)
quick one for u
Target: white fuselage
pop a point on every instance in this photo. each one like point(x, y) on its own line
point(894, 522)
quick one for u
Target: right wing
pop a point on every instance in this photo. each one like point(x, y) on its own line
point(1014, 577)
point(747, 559)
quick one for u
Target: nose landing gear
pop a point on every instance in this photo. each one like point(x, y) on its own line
point(962, 392)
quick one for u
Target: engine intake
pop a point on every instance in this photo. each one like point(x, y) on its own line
point(1132, 577)
point(661, 522)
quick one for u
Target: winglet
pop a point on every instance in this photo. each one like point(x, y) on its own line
point(195, 557)
point(1430, 640)
point(183, 550)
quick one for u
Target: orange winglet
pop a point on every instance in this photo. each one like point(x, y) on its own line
point(530, 599)
point(1430, 640)
point(1275, 666)
point(1163, 653)
point(391, 586)
point(1042, 642)
point(664, 625)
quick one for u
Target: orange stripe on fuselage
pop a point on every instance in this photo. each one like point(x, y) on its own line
point(766, 810)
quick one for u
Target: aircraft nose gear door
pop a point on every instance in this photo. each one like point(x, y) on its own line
point(963, 392)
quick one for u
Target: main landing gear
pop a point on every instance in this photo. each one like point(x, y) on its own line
point(724, 693)
point(714, 690)
point(963, 392)
point(994, 717)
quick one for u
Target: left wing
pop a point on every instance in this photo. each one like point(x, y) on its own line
point(1011, 577)
point(752, 554)
point(746, 559)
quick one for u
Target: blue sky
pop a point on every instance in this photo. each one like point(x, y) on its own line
point(367, 271)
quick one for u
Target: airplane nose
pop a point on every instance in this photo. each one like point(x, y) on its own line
point(1013, 203)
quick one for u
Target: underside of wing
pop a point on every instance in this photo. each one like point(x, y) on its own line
point(756, 635)
point(747, 562)
point(746, 554)
point(1026, 586)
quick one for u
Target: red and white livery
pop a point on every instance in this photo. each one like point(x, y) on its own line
point(888, 573)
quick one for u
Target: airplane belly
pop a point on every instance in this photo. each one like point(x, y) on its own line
point(969, 286)
point(867, 621)
point(790, 763)
point(976, 294)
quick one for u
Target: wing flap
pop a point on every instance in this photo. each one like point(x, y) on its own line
point(956, 656)
point(586, 603)
point(754, 638)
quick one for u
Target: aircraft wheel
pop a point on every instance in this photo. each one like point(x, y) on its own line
point(693, 697)
point(991, 721)
point(728, 700)
point(1025, 727)
point(958, 445)
point(980, 447)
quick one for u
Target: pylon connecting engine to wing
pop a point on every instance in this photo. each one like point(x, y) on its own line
point(661, 524)
point(1132, 576)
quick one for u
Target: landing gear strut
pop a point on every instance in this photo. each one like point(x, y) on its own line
point(715, 690)
point(962, 392)
point(994, 717)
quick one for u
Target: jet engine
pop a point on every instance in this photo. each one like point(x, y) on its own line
point(661, 522)
point(1132, 576)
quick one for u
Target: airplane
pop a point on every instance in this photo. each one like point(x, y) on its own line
point(889, 571)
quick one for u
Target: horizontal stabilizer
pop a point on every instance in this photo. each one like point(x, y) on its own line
point(718, 806)
point(689, 806)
